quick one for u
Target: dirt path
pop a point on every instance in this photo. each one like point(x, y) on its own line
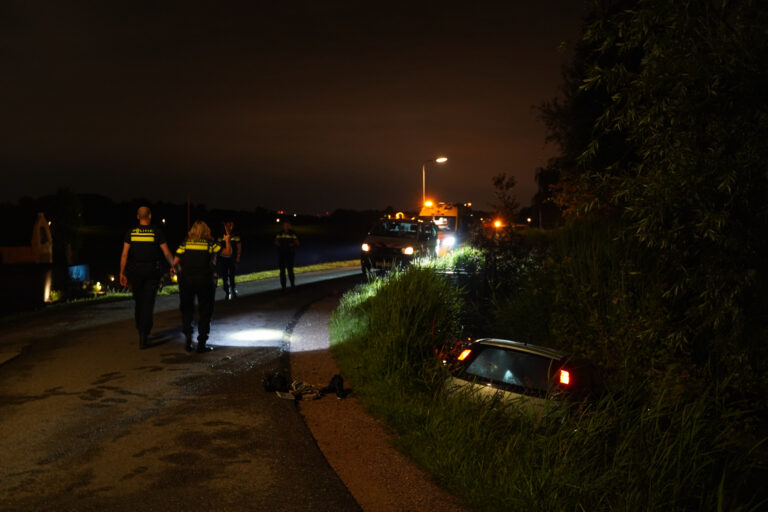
point(357, 446)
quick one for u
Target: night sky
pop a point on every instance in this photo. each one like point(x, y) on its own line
point(304, 106)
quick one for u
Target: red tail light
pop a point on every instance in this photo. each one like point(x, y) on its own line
point(464, 354)
point(565, 377)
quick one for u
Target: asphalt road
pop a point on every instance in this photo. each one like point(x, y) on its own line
point(90, 422)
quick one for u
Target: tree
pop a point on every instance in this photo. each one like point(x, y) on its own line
point(576, 183)
point(507, 205)
point(679, 91)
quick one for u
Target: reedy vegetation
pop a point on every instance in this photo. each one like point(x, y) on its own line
point(658, 276)
point(630, 450)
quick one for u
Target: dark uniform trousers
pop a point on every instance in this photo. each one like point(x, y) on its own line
point(144, 287)
point(228, 269)
point(204, 288)
point(285, 261)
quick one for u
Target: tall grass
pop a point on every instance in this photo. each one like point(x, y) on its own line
point(398, 321)
point(630, 450)
point(615, 456)
point(463, 259)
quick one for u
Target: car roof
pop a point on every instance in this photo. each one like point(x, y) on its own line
point(522, 347)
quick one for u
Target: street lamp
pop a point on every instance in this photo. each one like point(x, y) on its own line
point(438, 160)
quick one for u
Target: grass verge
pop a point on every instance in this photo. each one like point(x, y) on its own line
point(630, 450)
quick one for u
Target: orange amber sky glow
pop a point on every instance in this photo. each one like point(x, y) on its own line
point(307, 106)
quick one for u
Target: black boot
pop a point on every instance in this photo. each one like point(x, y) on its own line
point(189, 341)
point(201, 347)
point(143, 341)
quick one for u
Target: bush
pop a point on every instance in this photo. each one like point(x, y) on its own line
point(396, 322)
point(655, 441)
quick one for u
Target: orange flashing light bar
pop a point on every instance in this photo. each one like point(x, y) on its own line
point(464, 354)
point(565, 377)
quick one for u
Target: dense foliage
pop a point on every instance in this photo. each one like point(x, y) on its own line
point(658, 276)
point(662, 132)
point(628, 450)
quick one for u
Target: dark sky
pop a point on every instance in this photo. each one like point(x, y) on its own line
point(300, 105)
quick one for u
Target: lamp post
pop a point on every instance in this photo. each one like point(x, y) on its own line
point(438, 160)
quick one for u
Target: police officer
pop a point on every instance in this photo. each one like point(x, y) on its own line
point(229, 263)
point(286, 242)
point(195, 262)
point(140, 269)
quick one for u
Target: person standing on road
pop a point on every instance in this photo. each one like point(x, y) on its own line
point(140, 269)
point(195, 262)
point(286, 242)
point(229, 263)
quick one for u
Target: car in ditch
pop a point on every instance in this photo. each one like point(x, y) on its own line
point(519, 373)
point(396, 242)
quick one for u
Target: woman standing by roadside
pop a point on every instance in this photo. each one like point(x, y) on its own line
point(195, 262)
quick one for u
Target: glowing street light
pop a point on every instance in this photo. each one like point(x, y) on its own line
point(438, 160)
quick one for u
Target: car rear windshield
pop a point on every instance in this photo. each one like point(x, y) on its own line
point(518, 369)
point(396, 229)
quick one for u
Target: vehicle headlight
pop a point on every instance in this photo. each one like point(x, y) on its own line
point(449, 241)
point(366, 247)
point(408, 251)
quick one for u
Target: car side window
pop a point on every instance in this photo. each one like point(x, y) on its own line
point(512, 368)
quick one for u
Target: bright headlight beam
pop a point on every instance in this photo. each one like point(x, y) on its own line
point(268, 337)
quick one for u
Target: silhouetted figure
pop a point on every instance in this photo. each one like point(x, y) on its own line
point(143, 247)
point(286, 242)
point(228, 264)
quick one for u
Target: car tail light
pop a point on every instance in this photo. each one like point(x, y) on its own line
point(464, 354)
point(565, 377)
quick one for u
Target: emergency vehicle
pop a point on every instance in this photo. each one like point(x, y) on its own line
point(394, 242)
point(455, 223)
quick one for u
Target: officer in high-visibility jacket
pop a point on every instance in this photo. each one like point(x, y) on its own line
point(140, 269)
point(229, 263)
point(195, 263)
point(286, 242)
